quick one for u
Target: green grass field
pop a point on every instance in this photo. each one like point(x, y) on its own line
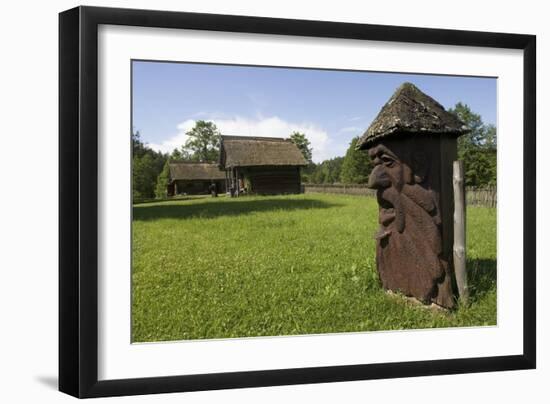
point(282, 265)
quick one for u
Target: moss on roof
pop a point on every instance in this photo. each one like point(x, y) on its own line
point(411, 111)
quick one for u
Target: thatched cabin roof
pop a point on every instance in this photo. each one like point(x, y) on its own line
point(411, 111)
point(247, 151)
point(195, 171)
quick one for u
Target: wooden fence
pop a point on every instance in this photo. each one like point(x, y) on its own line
point(351, 189)
point(486, 196)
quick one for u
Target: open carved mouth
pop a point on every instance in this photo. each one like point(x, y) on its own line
point(387, 210)
point(387, 213)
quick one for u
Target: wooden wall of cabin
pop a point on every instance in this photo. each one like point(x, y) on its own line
point(196, 187)
point(267, 180)
point(170, 189)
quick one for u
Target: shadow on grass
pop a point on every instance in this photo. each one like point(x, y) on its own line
point(171, 199)
point(217, 208)
point(482, 276)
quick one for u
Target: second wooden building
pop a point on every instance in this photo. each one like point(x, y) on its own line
point(261, 165)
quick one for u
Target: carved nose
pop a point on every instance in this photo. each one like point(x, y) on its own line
point(378, 178)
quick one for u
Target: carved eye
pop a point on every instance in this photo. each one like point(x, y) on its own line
point(388, 161)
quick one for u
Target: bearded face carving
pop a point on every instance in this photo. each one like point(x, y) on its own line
point(412, 141)
point(409, 249)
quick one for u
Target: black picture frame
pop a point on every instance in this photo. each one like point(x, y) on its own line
point(78, 201)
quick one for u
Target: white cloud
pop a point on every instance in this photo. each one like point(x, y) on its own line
point(263, 127)
point(352, 129)
point(176, 141)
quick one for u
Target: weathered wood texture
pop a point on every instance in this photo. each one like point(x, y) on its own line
point(411, 111)
point(459, 248)
point(447, 155)
point(413, 179)
point(259, 165)
point(273, 180)
point(195, 187)
point(486, 196)
point(348, 189)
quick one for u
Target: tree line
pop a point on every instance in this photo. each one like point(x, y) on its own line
point(150, 168)
point(478, 150)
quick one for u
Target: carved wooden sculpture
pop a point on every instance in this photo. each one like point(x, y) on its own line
point(412, 142)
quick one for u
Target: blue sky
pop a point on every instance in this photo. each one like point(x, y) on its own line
point(331, 107)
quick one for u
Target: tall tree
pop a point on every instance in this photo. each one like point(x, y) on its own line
point(478, 149)
point(161, 190)
point(333, 169)
point(146, 166)
point(307, 173)
point(357, 165)
point(176, 155)
point(144, 176)
point(300, 140)
point(203, 141)
point(181, 154)
point(326, 172)
point(138, 147)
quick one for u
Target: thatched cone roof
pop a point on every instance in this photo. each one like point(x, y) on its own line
point(411, 111)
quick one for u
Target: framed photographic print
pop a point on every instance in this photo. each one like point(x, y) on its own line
point(251, 201)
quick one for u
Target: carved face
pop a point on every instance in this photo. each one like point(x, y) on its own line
point(409, 238)
point(387, 177)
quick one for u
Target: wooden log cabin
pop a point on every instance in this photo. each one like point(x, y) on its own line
point(194, 178)
point(261, 165)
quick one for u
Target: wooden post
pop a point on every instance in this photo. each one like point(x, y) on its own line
point(459, 247)
point(226, 180)
point(233, 182)
point(237, 190)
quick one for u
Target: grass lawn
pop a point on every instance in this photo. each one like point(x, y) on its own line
point(282, 265)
